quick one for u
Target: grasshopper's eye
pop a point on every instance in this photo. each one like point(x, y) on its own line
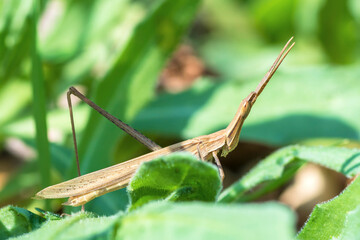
point(246, 109)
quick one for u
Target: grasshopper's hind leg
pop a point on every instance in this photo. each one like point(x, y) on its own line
point(131, 131)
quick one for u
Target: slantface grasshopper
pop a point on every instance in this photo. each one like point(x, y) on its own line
point(84, 188)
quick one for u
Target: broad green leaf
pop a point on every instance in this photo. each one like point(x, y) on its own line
point(208, 221)
point(15, 221)
point(281, 165)
point(336, 219)
point(78, 226)
point(297, 104)
point(176, 177)
point(351, 229)
point(163, 220)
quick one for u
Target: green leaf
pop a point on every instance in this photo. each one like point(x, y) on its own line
point(77, 226)
point(163, 220)
point(281, 165)
point(333, 219)
point(15, 221)
point(351, 230)
point(177, 177)
point(48, 215)
point(208, 221)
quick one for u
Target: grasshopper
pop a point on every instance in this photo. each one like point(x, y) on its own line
point(85, 188)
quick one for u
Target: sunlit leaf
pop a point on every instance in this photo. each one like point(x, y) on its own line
point(281, 165)
point(333, 219)
point(177, 177)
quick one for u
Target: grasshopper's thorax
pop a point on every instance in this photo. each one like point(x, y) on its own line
point(211, 143)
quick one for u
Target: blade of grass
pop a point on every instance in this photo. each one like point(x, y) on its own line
point(39, 102)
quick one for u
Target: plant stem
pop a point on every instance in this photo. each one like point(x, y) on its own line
point(39, 102)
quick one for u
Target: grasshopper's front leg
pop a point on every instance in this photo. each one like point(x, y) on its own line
point(218, 164)
point(214, 154)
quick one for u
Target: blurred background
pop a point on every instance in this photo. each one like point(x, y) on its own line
point(173, 70)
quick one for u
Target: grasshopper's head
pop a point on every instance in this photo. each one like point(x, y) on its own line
point(233, 130)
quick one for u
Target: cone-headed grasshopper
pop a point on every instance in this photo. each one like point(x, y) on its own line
point(84, 188)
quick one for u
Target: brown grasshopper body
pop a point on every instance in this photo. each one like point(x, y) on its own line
point(84, 188)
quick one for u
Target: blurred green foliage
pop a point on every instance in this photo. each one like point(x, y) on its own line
point(17, 221)
point(116, 49)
